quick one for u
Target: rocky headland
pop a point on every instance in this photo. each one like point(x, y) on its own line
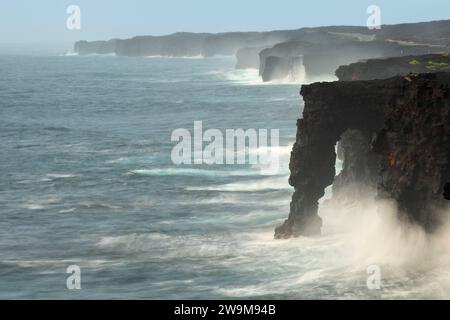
point(393, 136)
point(287, 54)
point(324, 58)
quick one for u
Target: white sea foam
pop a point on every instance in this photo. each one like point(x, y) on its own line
point(191, 172)
point(67, 210)
point(249, 77)
point(61, 264)
point(60, 175)
point(99, 206)
point(175, 57)
point(277, 183)
point(236, 198)
point(332, 266)
point(41, 203)
point(110, 54)
point(141, 159)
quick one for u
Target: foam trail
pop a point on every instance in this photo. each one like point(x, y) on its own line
point(190, 172)
point(251, 185)
point(42, 203)
point(60, 175)
point(176, 57)
point(249, 77)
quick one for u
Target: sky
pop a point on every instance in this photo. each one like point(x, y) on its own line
point(44, 21)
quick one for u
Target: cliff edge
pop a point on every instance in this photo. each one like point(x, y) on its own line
point(410, 118)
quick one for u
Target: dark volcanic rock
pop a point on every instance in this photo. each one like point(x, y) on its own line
point(415, 148)
point(410, 117)
point(446, 193)
point(391, 67)
point(331, 108)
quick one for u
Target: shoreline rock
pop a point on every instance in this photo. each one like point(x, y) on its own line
point(410, 118)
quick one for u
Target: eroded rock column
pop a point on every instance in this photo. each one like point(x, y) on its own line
point(331, 108)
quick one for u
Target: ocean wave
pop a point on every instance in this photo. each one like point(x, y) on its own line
point(42, 203)
point(236, 198)
point(67, 210)
point(304, 267)
point(99, 206)
point(147, 159)
point(191, 172)
point(61, 129)
point(256, 217)
point(239, 76)
point(250, 186)
point(61, 175)
point(249, 77)
point(60, 263)
point(175, 57)
point(164, 246)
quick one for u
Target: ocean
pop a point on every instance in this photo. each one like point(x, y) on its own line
point(87, 180)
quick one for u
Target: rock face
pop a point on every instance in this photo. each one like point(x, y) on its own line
point(409, 117)
point(183, 44)
point(446, 193)
point(324, 58)
point(209, 44)
point(415, 148)
point(398, 66)
point(325, 49)
point(331, 108)
point(434, 33)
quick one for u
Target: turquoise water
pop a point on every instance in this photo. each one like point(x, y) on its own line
point(86, 179)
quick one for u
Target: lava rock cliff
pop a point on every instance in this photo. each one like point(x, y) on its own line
point(405, 120)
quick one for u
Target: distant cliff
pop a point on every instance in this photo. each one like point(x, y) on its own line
point(410, 116)
point(184, 44)
point(325, 49)
point(277, 54)
point(398, 66)
point(208, 44)
point(324, 58)
point(96, 47)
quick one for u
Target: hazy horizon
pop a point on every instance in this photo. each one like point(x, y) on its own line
point(42, 23)
point(199, 32)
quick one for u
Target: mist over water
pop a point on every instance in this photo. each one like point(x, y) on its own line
point(87, 179)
